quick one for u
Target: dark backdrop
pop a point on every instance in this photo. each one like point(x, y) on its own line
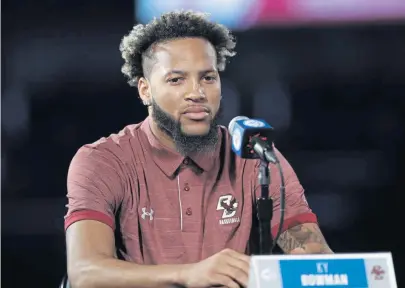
point(335, 95)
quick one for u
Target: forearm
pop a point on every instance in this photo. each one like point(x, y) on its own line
point(312, 249)
point(106, 273)
point(304, 239)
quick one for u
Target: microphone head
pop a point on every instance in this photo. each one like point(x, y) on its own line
point(231, 125)
point(243, 129)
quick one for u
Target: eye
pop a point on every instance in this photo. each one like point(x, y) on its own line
point(175, 81)
point(210, 79)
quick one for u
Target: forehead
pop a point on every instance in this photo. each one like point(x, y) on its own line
point(184, 54)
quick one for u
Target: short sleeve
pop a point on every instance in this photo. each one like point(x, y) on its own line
point(94, 187)
point(297, 210)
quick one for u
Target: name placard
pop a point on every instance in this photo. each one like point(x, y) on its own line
point(371, 270)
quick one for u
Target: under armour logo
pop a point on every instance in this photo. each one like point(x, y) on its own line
point(147, 214)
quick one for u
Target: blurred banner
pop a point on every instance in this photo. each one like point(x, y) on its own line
point(244, 14)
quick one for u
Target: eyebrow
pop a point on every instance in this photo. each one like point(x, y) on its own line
point(181, 72)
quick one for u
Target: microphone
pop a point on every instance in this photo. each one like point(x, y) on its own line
point(252, 139)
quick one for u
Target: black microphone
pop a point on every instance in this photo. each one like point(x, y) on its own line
point(252, 139)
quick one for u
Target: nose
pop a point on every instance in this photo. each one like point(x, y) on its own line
point(197, 93)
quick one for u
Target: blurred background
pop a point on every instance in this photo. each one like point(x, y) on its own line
point(329, 75)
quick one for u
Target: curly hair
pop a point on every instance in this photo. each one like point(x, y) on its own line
point(136, 46)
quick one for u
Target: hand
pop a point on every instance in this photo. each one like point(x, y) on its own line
point(227, 268)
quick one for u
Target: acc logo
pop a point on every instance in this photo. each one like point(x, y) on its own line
point(253, 123)
point(237, 139)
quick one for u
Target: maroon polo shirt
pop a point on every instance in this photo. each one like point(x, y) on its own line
point(165, 208)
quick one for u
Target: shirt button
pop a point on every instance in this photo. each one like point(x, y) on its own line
point(189, 212)
point(185, 161)
point(186, 187)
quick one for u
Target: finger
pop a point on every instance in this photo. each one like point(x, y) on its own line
point(238, 255)
point(235, 273)
point(223, 280)
point(243, 266)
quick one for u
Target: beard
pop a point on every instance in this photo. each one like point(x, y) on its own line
point(186, 144)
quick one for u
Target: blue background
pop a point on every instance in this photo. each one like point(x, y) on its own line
point(291, 271)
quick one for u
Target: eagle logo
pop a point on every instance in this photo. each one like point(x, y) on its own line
point(228, 204)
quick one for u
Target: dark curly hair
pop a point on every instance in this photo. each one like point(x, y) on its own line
point(135, 47)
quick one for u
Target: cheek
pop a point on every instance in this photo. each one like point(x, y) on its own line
point(214, 97)
point(169, 102)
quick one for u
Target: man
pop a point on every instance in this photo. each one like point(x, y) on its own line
point(167, 195)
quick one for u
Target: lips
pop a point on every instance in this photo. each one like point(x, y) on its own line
point(195, 109)
point(196, 112)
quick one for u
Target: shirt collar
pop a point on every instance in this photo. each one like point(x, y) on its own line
point(170, 160)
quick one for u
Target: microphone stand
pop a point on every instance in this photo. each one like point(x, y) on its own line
point(264, 204)
point(264, 208)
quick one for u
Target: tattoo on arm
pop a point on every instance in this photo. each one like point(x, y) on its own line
point(307, 237)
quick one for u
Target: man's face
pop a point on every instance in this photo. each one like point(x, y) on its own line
point(185, 91)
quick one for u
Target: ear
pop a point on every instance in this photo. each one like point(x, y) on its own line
point(143, 89)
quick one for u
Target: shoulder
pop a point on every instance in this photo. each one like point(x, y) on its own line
point(110, 151)
point(115, 143)
point(116, 139)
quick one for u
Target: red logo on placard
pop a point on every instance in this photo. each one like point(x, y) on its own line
point(378, 272)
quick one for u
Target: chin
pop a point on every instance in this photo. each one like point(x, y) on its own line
point(197, 129)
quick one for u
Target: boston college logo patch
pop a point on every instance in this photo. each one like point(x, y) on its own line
point(229, 205)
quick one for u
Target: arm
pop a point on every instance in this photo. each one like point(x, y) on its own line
point(95, 192)
point(304, 238)
point(91, 262)
point(301, 233)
